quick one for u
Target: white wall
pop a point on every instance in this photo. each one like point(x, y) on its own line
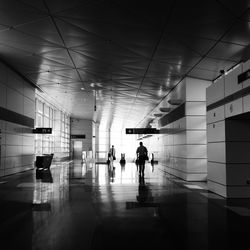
point(82, 127)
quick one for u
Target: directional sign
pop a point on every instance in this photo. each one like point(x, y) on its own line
point(142, 131)
point(42, 131)
point(244, 76)
point(77, 136)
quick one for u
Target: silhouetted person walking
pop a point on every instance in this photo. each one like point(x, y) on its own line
point(112, 152)
point(142, 155)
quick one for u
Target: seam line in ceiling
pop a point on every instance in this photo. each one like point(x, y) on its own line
point(21, 75)
point(153, 53)
point(65, 47)
point(186, 75)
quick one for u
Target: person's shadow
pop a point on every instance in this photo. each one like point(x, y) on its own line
point(144, 197)
point(122, 167)
point(137, 164)
point(153, 166)
point(111, 171)
point(144, 194)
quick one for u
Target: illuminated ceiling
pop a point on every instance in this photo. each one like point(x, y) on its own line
point(129, 54)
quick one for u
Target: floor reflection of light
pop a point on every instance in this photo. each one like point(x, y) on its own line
point(102, 175)
point(84, 169)
point(124, 174)
point(45, 192)
point(113, 186)
point(42, 192)
point(49, 198)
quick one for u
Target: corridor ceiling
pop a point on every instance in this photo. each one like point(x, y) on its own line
point(125, 55)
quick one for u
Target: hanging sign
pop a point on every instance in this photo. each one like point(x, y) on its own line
point(244, 76)
point(42, 131)
point(77, 136)
point(142, 131)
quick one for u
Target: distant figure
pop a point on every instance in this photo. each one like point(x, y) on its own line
point(153, 168)
point(112, 153)
point(111, 171)
point(142, 155)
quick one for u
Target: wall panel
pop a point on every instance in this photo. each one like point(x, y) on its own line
point(15, 123)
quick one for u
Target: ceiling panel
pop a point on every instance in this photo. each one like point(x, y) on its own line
point(229, 51)
point(212, 64)
point(203, 74)
point(56, 6)
point(58, 56)
point(15, 13)
point(206, 19)
point(128, 53)
point(239, 33)
point(47, 31)
point(75, 36)
point(236, 8)
point(191, 46)
point(164, 69)
point(37, 5)
point(25, 42)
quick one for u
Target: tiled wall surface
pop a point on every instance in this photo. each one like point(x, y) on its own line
point(183, 152)
point(17, 141)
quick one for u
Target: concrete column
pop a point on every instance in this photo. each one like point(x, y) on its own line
point(189, 154)
point(183, 131)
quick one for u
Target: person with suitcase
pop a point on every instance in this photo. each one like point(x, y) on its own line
point(142, 155)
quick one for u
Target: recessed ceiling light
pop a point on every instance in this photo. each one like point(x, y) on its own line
point(175, 101)
point(82, 88)
point(157, 115)
point(165, 109)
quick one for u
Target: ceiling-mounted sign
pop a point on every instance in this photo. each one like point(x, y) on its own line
point(244, 76)
point(142, 131)
point(77, 136)
point(42, 131)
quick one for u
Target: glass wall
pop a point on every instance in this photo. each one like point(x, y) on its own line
point(48, 115)
point(124, 144)
point(62, 134)
point(103, 141)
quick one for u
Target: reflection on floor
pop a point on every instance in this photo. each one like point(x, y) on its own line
point(88, 206)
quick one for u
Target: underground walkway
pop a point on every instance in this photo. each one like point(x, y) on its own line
point(79, 206)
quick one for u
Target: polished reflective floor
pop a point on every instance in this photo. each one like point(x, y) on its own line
point(87, 206)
